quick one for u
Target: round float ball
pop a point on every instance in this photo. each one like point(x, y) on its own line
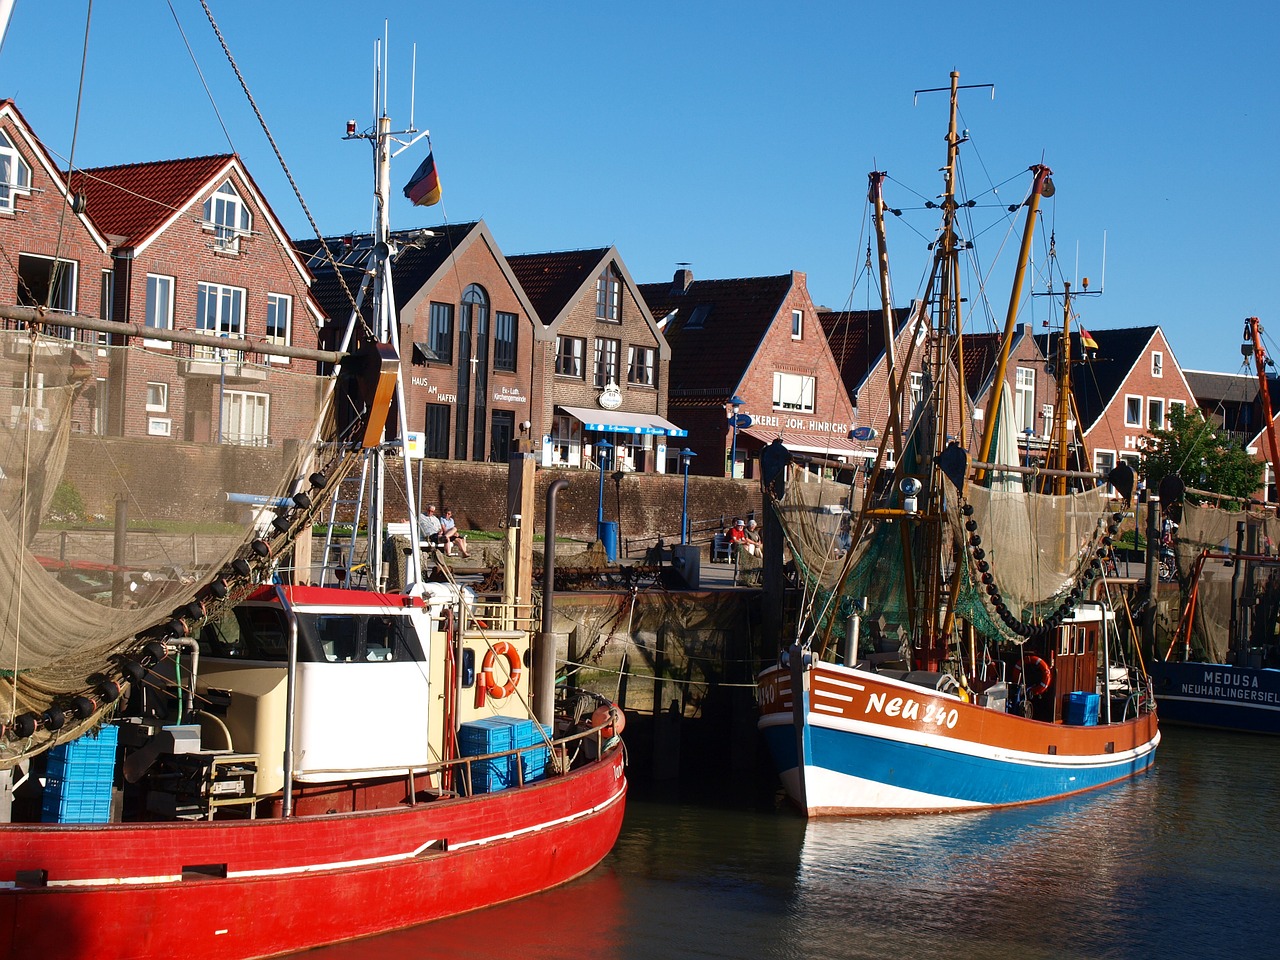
point(132, 669)
point(1107, 540)
point(301, 501)
point(24, 725)
point(988, 579)
point(241, 566)
point(993, 590)
point(971, 525)
point(317, 480)
point(975, 541)
point(983, 566)
point(978, 553)
point(53, 719)
point(260, 547)
point(967, 509)
point(218, 588)
point(109, 691)
point(83, 707)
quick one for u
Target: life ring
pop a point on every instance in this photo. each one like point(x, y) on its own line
point(514, 667)
point(1034, 665)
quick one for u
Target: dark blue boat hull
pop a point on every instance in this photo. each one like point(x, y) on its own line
point(1218, 695)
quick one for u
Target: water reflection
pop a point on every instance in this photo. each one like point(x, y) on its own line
point(1182, 862)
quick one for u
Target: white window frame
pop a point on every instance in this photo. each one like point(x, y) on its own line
point(235, 433)
point(1129, 421)
point(227, 320)
point(577, 354)
point(159, 427)
point(15, 174)
point(275, 302)
point(1169, 405)
point(1046, 414)
point(162, 313)
point(640, 360)
point(797, 324)
point(916, 390)
point(159, 390)
point(1163, 422)
point(1157, 364)
point(793, 392)
point(227, 217)
point(1024, 380)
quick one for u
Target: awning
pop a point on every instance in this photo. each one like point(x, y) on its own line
point(619, 421)
point(832, 446)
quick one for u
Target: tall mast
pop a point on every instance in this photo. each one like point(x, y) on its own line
point(1062, 404)
point(1253, 330)
point(876, 195)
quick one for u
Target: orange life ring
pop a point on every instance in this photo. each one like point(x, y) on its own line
point(514, 667)
point(1034, 664)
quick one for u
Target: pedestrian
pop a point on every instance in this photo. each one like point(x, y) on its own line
point(753, 545)
point(452, 538)
point(429, 528)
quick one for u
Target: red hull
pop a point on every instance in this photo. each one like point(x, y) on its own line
point(117, 891)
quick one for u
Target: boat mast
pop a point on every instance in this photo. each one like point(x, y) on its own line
point(385, 332)
point(875, 194)
point(1253, 330)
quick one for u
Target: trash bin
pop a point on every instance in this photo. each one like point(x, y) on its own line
point(607, 534)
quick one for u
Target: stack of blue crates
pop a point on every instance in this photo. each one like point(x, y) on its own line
point(1082, 708)
point(490, 735)
point(498, 734)
point(79, 779)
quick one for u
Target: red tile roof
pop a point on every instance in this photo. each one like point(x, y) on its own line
point(134, 200)
point(856, 338)
point(552, 279)
point(709, 361)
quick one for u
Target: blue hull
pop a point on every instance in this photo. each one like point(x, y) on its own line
point(953, 778)
point(1218, 695)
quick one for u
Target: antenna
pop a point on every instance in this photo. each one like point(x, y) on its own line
point(386, 47)
point(413, 84)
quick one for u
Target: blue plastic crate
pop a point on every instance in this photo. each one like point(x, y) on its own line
point(79, 778)
point(1082, 708)
point(490, 735)
point(530, 734)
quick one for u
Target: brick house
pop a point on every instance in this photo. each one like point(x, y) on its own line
point(195, 246)
point(54, 255)
point(467, 334)
point(1232, 402)
point(1032, 387)
point(1120, 388)
point(758, 340)
point(604, 364)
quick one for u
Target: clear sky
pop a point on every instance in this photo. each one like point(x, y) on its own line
point(734, 136)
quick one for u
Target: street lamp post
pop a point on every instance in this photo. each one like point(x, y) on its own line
point(602, 450)
point(686, 456)
point(736, 402)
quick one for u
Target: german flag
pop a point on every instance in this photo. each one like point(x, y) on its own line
point(423, 188)
point(1087, 341)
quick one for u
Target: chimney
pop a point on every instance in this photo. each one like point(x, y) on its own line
point(683, 279)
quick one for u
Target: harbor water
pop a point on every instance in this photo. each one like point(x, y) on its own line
point(1182, 862)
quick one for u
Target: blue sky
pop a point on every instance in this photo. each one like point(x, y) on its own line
point(735, 136)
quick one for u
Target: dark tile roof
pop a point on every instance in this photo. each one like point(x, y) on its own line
point(710, 356)
point(856, 338)
point(982, 356)
point(1210, 388)
point(417, 259)
point(551, 280)
point(1095, 382)
point(134, 200)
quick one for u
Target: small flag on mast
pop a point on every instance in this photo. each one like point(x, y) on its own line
point(423, 188)
point(1087, 341)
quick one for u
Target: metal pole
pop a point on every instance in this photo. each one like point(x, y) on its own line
point(684, 507)
point(544, 677)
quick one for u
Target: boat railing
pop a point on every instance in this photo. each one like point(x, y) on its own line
point(502, 615)
point(564, 752)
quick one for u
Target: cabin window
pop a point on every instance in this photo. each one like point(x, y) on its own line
point(356, 638)
point(468, 667)
point(249, 633)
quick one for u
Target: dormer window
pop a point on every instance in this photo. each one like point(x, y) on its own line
point(698, 317)
point(227, 217)
point(15, 174)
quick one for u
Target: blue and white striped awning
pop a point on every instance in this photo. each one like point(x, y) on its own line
point(620, 421)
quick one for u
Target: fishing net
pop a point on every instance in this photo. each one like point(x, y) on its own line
point(103, 536)
point(1212, 529)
